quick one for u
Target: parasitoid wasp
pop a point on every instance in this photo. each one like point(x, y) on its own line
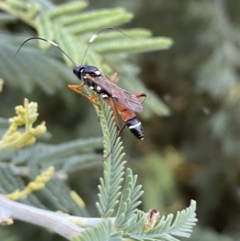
point(126, 103)
point(119, 99)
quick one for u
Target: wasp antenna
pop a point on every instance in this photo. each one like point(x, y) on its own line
point(46, 40)
point(94, 36)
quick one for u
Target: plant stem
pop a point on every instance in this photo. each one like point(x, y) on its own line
point(61, 223)
point(47, 219)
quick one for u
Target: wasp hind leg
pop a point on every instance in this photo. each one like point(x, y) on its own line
point(77, 89)
point(140, 95)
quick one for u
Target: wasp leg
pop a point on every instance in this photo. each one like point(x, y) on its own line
point(77, 88)
point(92, 98)
point(114, 142)
point(139, 95)
point(110, 102)
point(114, 77)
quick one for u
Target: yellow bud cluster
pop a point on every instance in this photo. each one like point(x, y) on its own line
point(25, 115)
point(37, 184)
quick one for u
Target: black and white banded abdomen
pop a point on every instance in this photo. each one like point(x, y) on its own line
point(135, 127)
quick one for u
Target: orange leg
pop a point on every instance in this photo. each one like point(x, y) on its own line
point(77, 88)
point(114, 77)
point(139, 95)
point(111, 103)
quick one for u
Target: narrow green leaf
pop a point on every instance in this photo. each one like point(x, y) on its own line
point(68, 8)
point(100, 232)
point(129, 199)
point(92, 16)
point(136, 46)
point(180, 227)
point(44, 29)
point(112, 35)
point(68, 43)
point(81, 162)
point(110, 184)
point(90, 26)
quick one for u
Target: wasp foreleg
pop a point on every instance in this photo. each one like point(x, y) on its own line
point(77, 88)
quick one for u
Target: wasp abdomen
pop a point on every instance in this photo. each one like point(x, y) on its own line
point(135, 127)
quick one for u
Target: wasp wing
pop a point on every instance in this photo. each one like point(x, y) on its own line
point(127, 99)
point(121, 96)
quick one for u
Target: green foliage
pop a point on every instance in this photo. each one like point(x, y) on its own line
point(101, 231)
point(165, 228)
point(26, 70)
point(130, 221)
point(119, 193)
point(110, 184)
point(56, 195)
point(129, 200)
point(41, 155)
point(182, 224)
point(64, 156)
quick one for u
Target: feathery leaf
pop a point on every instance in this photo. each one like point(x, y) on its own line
point(110, 184)
point(129, 199)
point(100, 232)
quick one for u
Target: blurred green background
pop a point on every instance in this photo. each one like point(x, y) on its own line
point(192, 153)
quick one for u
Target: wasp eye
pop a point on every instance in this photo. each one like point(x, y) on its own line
point(78, 71)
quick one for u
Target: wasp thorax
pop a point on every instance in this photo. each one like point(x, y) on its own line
point(82, 70)
point(92, 70)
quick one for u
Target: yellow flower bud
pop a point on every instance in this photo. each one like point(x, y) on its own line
point(39, 130)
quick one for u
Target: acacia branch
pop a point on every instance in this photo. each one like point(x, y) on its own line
point(61, 223)
point(54, 221)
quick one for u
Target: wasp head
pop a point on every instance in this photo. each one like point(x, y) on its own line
point(79, 71)
point(82, 70)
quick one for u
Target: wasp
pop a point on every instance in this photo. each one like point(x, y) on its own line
point(126, 103)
